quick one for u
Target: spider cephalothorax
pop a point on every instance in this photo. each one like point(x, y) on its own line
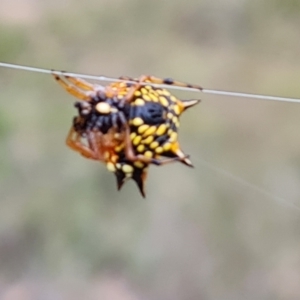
point(127, 125)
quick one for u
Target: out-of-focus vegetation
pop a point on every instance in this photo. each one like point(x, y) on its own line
point(66, 233)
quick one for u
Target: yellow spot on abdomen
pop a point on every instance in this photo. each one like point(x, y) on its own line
point(127, 169)
point(110, 167)
point(175, 119)
point(154, 144)
point(143, 128)
point(148, 154)
point(161, 129)
point(166, 92)
point(140, 148)
point(132, 135)
point(148, 140)
point(159, 150)
point(139, 102)
point(170, 115)
point(167, 146)
point(153, 97)
point(146, 97)
point(137, 121)
point(173, 137)
point(138, 164)
point(173, 98)
point(149, 131)
point(136, 140)
point(163, 101)
point(177, 110)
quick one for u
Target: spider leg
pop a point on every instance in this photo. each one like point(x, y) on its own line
point(129, 152)
point(130, 95)
point(168, 81)
point(80, 83)
point(157, 80)
point(161, 162)
point(73, 89)
point(74, 142)
point(128, 78)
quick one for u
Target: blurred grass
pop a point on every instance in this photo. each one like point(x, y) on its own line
point(66, 233)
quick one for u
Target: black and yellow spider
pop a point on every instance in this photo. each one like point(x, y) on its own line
point(128, 125)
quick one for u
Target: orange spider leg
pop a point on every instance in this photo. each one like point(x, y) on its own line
point(169, 81)
point(74, 142)
point(80, 83)
point(157, 80)
point(72, 89)
point(130, 95)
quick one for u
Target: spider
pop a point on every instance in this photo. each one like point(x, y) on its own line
point(128, 125)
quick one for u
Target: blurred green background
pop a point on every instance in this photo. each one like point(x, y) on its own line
point(66, 233)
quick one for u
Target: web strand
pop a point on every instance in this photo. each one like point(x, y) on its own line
point(112, 79)
point(220, 171)
point(249, 185)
